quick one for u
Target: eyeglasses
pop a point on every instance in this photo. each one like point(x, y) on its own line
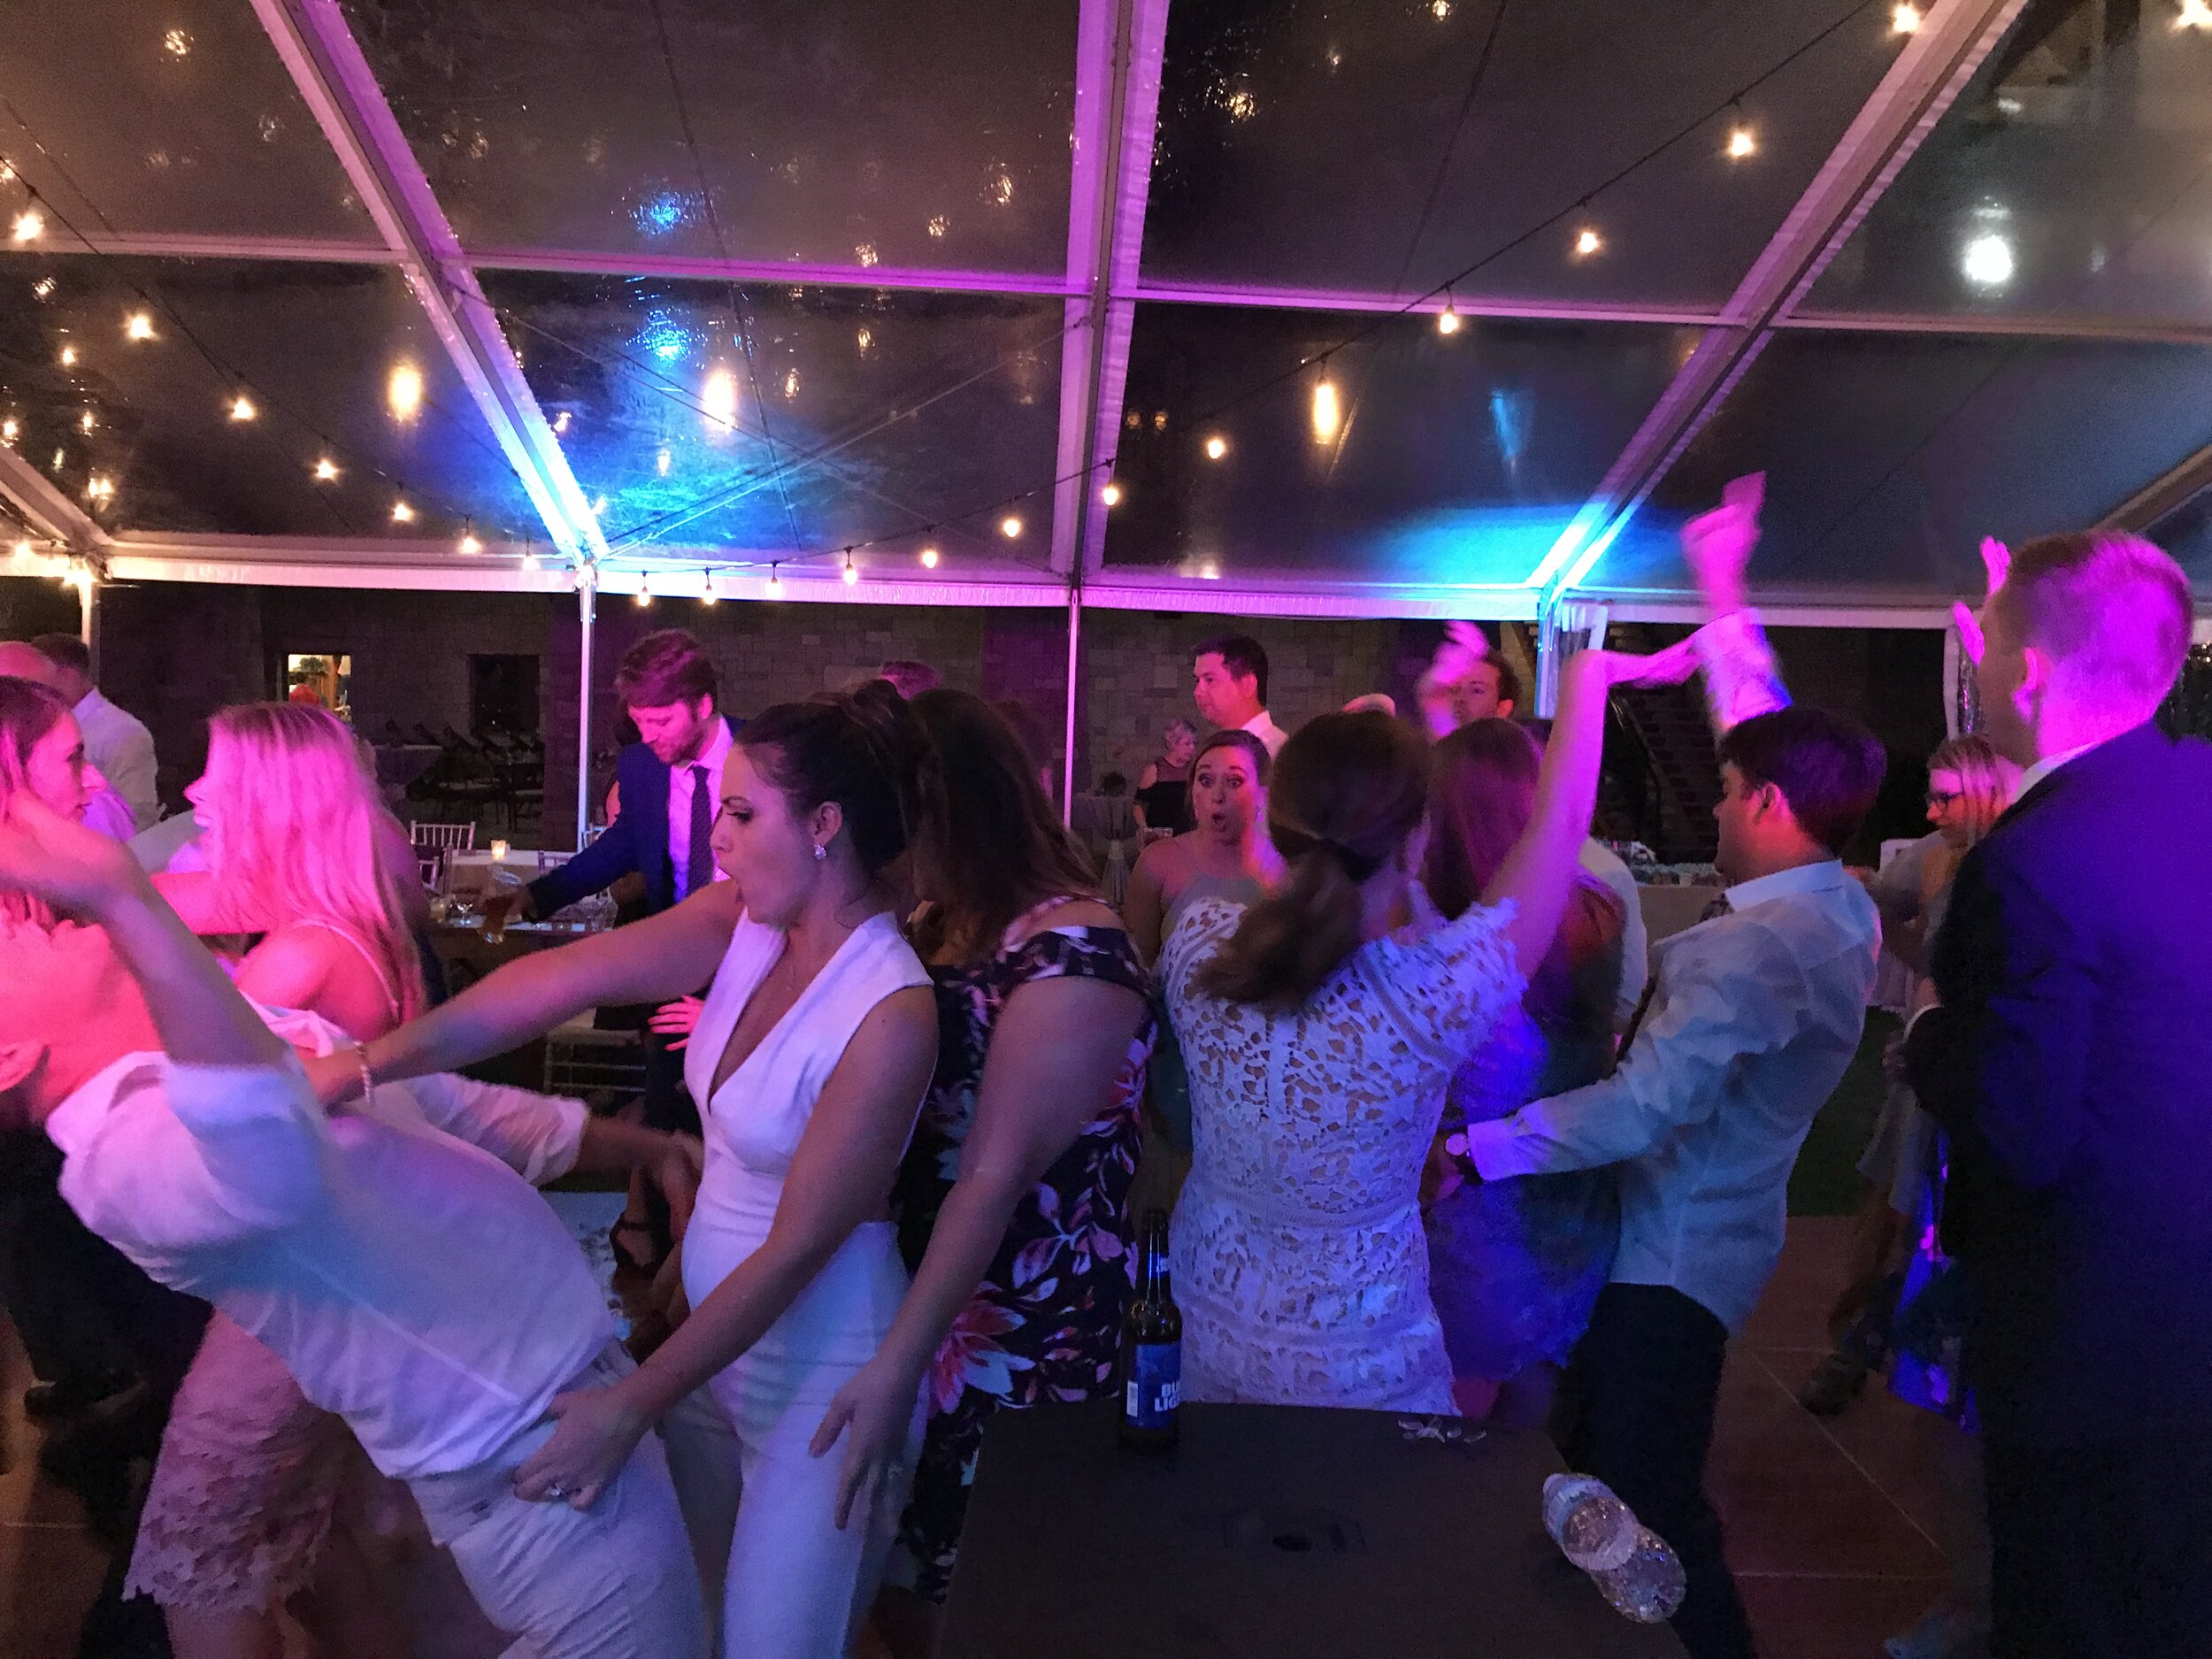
point(1940, 798)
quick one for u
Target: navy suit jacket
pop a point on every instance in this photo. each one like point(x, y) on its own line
point(2071, 1061)
point(636, 841)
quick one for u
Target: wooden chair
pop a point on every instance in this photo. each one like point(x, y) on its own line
point(445, 838)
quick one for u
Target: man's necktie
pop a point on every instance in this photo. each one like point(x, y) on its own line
point(699, 864)
point(1718, 907)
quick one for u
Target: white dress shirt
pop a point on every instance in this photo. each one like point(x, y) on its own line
point(1263, 726)
point(1754, 1019)
point(413, 1285)
point(680, 785)
point(2050, 764)
point(1603, 863)
point(122, 749)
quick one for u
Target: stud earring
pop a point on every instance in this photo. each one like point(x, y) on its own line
point(820, 852)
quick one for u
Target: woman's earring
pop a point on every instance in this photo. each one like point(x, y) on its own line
point(820, 852)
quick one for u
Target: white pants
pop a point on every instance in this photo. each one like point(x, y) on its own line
point(798, 1587)
point(613, 1582)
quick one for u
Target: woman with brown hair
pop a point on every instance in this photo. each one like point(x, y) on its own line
point(1225, 856)
point(1319, 1041)
point(1516, 1266)
point(1013, 1198)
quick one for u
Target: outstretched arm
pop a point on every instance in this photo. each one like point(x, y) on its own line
point(1741, 678)
point(656, 960)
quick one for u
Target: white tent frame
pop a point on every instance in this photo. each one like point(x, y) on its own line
point(1120, 45)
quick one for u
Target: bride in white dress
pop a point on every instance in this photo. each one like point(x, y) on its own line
point(1319, 1035)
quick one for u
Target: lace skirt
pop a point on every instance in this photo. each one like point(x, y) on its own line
point(246, 1486)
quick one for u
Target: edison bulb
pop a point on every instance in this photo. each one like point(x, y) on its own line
point(1987, 261)
point(1904, 19)
point(468, 542)
point(1328, 412)
point(85, 422)
point(403, 391)
point(775, 583)
point(1111, 494)
point(30, 225)
point(69, 357)
point(402, 513)
point(8, 429)
point(1587, 242)
point(242, 408)
point(1447, 321)
point(325, 470)
point(1216, 447)
point(138, 326)
point(1009, 526)
point(929, 558)
point(1741, 142)
point(852, 574)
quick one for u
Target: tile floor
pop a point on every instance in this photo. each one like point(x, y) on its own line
point(1832, 1526)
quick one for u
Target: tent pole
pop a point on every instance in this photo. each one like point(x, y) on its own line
point(1067, 765)
point(89, 617)
point(587, 588)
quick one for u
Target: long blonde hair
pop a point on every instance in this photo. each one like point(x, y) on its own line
point(1988, 781)
point(28, 711)
point(296, 835)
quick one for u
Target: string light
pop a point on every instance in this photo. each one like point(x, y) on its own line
point(402, 513)
point(1447, 320)
point(1904, 19)
point(403, 391)
point(707, 596)
point(44, 288)
point(2194, 14)
point(101, 488)
point(138, 325)
point(560, 422)
point(660, 463)
point(1741, 142)
point(775, 581)
point(529, 558)
point(325, 470)
point(1216, 447)
point(852, 570)
point(717, 398)
point(242, 408)
point(791, 383)
point(85, 421)
point(69, 357)
point(8, 429)
point(929, 558)
point(644, 591)
point(468, 542)
point(59, 456)
point(1587, 242)
point(1987, 261)
point(1009, 526)
point(1328, 412)
point(1111, 494)
point(29, 226)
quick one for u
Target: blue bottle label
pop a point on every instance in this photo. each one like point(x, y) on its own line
point(1155, 1385)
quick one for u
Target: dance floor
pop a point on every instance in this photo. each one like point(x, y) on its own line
point(1831, 1527)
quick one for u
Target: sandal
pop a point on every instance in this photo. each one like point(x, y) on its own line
point(647, 1263)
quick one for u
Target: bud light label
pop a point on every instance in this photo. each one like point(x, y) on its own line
point(1155, 1385)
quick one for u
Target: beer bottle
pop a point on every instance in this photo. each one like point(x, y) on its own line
point(1151, 1349)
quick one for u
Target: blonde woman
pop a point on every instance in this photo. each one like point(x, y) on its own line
point(239, 1519)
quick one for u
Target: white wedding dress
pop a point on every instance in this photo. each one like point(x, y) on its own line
point(1299, 1259)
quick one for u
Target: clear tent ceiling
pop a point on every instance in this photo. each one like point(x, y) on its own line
point(1368, 304)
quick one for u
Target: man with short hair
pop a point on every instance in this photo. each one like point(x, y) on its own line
point(116, 742)
point(668, 784)
point(1749, 1023)
point(105, 809)
point(1229, 685)
point(2071, 1059)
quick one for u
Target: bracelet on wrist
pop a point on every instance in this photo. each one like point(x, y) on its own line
point(368, 1078)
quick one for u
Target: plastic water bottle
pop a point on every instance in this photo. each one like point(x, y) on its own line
point(1634, 1568)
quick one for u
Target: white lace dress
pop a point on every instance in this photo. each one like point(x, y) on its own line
point(1299, 1258)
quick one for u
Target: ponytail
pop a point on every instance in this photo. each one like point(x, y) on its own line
point(1348, 791)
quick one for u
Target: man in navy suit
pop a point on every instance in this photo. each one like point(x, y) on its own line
point(2071, 1062)
point(668, 784)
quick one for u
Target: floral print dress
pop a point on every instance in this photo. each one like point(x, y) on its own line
point(1045, 1325)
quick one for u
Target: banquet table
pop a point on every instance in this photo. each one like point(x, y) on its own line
point(1284, 1531)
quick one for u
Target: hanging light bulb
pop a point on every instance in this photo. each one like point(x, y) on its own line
point(242, 408)
point(2194, 14)
point(660, 462)
point(560, 422)
point(402, 513)
point(1216, 447)
point(138, 325)
point(529, 557)
point(1111, 493)
point(23, 552)
point(69, 357)
point(1587, 242)
point(775, 581)
point(929, 558)
point(1904, 18)
point(29, 226)
point(644, 591)
point(101, 488)
point(325, 470)
point(718, 400)
point(8, 429)
point(1328, 412)
point(707, 596)
point(1447, 320)
point(403, 391)
point(85, 421)
point(468, 543)
point(1009, 526)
